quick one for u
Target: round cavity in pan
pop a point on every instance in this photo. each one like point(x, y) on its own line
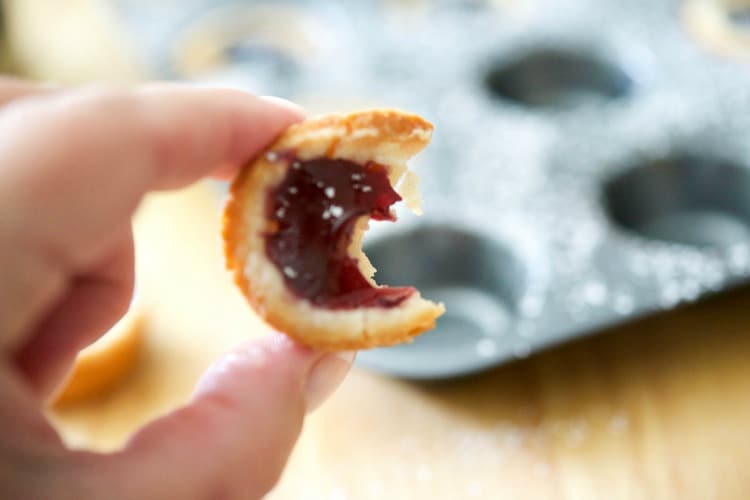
point(253, 45)
point(741, 17)
point(554, 78)
point(685, 199)
point(480, 282)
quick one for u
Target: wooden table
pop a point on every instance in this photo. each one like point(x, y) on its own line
point(658, 409)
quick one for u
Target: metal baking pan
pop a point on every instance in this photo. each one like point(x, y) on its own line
point(591, 162)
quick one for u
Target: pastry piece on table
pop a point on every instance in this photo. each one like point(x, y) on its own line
point(102, 366)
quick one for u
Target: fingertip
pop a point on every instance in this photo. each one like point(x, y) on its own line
point(281, 114)
point(274, 358)
point(281, 361)
point(295, 109)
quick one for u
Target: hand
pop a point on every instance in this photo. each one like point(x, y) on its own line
point(74, 164)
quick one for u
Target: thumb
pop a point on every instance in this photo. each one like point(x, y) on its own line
point(234, 438)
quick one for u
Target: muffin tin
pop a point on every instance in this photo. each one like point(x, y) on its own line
point(591, 162)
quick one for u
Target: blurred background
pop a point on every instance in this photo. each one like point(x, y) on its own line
point(587, 223)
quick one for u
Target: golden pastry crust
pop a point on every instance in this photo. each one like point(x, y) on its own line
point(387, 137)
point(709, 21)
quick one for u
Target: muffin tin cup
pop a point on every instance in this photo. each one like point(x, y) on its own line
point(487, 286)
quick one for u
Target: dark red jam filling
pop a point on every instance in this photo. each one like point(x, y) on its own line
point(314, 211)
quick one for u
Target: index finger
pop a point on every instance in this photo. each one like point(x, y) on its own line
point(77, 163)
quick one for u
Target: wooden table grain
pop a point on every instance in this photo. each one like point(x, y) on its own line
point(657, 409)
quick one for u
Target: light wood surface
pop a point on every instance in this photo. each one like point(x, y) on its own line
point(659, 409)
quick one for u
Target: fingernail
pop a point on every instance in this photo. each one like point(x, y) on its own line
point(283, 103)
point(325, 376)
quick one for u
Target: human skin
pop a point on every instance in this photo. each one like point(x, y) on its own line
point(74, 165)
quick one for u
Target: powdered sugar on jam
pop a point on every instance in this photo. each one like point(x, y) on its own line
point(314, 210)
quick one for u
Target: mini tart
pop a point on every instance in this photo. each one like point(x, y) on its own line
point(103, 365)
point(376, 139)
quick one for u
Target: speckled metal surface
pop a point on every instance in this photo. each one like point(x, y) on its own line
point(591, 164)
